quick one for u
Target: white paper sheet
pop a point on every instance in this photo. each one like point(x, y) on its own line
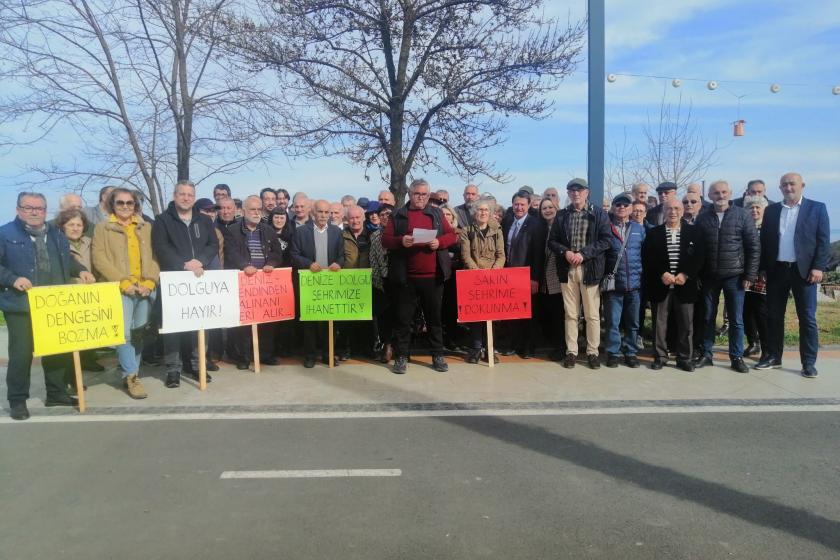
point(424, 235)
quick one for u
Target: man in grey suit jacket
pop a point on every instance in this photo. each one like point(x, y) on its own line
point(317, 245)
point(795, 248)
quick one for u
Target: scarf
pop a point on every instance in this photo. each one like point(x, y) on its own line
point(42, 257)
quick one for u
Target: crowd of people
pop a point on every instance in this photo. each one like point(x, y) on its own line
point(599, 267)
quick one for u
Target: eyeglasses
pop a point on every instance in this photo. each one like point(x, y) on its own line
point(126, 203)
point(443, 200)
point(33, 209)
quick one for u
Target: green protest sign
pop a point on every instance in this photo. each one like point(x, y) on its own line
point(335, 296)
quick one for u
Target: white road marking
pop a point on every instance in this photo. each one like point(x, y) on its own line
point(128, 417)
point(312, 473)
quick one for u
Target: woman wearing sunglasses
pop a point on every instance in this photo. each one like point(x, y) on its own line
point(122, 252)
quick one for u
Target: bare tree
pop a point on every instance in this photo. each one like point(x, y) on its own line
point(405, 84)
point(673, 148)
point(142, 84)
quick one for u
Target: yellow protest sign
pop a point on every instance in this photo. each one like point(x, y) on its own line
point(76, 317)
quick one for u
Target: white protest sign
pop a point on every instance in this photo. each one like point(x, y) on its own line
point(191, 303)
point(424, 235)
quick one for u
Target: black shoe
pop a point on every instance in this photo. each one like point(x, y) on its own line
point(593, 361)
point(507, 352)
point(309, 362)
point(612, 361)
point(657, 364)
point(703, 362)
point(752, 350)
point(472, 357)
point(194, 374)
point(173, 380)
point(269, 361)
point(739, 365)
point(243, 366)
point(400, 365)
point(18, 411)
point(631, 361)
point(439, 364)
point(92, 366)
point(211, 366)
point(526, 354)
point(61, 400)
point(685, 365)
point(768, 363)
point(569, 361)
point(343, 356)
point(808, 371)
point(484, 356)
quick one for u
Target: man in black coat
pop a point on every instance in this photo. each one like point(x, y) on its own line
point(672, 256)
point(665, 191)
point(795, 248)
point(523, 247)
point(183, 239)
point(580, 238)
point(732, 249)
point(251, 245)
point(317, 246)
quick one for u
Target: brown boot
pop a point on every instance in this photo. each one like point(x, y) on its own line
point(135, 388)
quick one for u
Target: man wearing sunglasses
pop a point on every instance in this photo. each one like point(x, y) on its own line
point(33, 253)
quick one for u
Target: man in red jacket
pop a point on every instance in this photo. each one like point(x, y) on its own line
point(418, 270)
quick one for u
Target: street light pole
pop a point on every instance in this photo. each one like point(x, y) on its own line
point(597, 95)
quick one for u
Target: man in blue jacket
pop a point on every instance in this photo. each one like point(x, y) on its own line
point(33, 253)
point(317, 246)
point(795, 247)
point(621, 305)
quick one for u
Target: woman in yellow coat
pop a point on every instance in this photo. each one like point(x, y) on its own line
point(122, 252)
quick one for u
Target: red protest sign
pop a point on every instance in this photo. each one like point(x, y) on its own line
point(266, 297)
point(493, 294)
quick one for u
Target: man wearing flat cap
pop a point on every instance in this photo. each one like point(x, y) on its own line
point(621, 303)
point(665, 191)
point(580, 238)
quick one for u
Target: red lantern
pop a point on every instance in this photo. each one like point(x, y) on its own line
point(739, 127)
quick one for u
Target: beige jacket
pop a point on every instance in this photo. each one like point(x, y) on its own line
point(81, 254)
point(480, 250)
point(110, 252)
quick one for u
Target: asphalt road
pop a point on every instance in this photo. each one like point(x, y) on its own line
point(705, 485)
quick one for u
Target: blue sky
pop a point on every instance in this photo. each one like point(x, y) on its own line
point(732, 41)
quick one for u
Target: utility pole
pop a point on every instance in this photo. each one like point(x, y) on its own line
point(597, 100)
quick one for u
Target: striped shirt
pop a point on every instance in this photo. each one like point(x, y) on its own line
point(254, 239)
point(672, 241)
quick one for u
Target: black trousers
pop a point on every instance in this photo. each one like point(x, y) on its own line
point(553, 312)
point(755, 318)
point(179, 351)
point(315, 339)
point(383, 315)
point(18, 373)
point(682, 316)
point(429, 291)
point(244, 342)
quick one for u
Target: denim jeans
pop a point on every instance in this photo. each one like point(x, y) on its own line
point(621, 310)
point(135, 316)
point(733, 297)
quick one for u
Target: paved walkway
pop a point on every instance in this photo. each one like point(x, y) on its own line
point(515, 383)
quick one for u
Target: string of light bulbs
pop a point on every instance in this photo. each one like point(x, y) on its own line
point(712, 85)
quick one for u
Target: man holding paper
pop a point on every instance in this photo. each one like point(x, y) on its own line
point(418, 266)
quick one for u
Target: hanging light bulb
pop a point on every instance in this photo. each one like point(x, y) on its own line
point(835, 90)
point(712, 85)
point(775, 88)
point(676, 82)
point(611, 78)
